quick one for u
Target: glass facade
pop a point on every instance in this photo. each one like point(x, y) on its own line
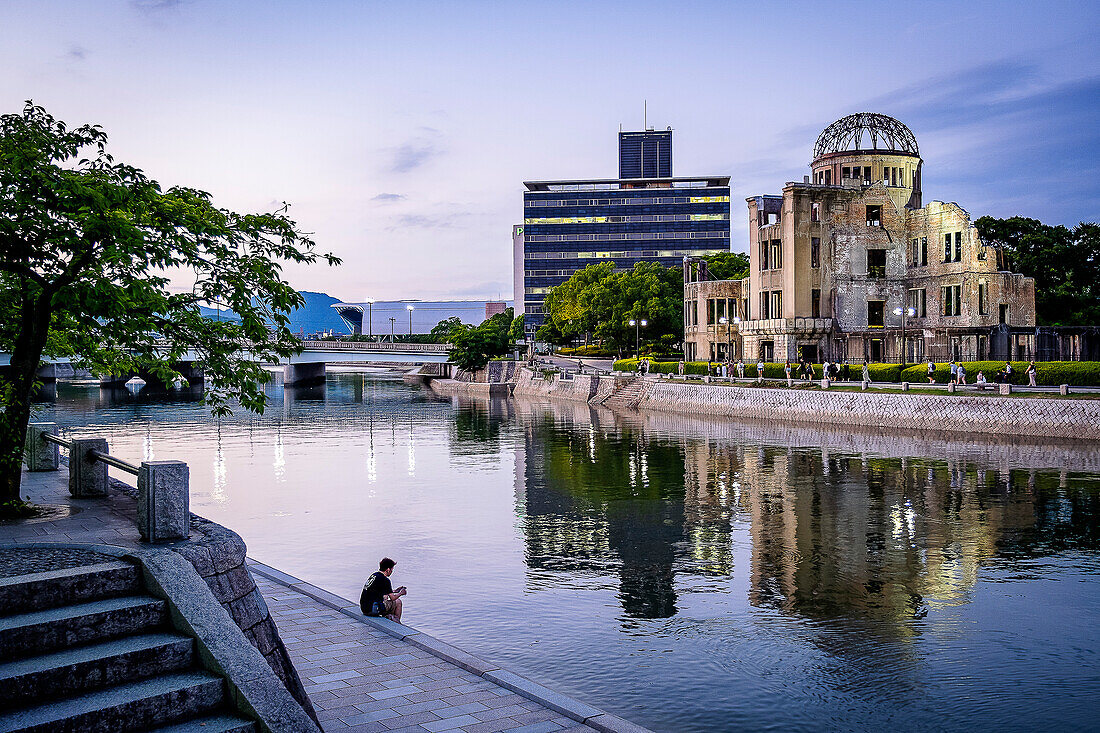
point(571, 224)
point(646, 154)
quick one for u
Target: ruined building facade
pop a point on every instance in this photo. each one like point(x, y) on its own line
point(851, 264)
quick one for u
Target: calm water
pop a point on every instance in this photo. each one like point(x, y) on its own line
point(690, 575)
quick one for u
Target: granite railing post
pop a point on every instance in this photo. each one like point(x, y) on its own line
point(163, 504)
point(1005, 388)
point(87, 475)
point(42, 455)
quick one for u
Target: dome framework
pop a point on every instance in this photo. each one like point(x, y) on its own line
point(849, 134)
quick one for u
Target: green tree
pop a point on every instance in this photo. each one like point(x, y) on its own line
point(444, 331)
point(516, 332)
point(728, 265)
point(1064, 262)
point(87, 246)
point(474, 347)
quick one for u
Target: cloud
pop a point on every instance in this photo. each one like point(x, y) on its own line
point(76, 53)
point(388, 197)
point(488, 290)
point(153, 6)
point(417, 151)
point(420, 221)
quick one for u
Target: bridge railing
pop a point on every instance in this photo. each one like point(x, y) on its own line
point(374, 346)
point(164, 512)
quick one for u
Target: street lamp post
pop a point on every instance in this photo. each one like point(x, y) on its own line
point(392, 337)
point(638, 335)
point(905, 313)
point(410, 308)
point(370, 317)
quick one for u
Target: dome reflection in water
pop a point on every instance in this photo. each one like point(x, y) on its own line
point(686, 573)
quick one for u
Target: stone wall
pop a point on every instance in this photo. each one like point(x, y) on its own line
point(581, 388)
point(1021, 416)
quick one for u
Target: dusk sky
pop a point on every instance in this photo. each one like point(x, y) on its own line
point(401, 132)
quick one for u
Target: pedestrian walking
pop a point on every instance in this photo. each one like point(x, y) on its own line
point(825, 369)
point(847, 374)
point(787, 371)
point(960, 374)
point(1008, 370)
point(954, 369)
point(740, 369)
point(1031, 373)
point(680, 367)
point(866, 372)
point(760, 370)
point(931, 372)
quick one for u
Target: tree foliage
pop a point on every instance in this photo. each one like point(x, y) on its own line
point(1064, 262)
point(601, 301)
point(87, 249)
point(443, 332)
point(474, 346)
point(728, 265)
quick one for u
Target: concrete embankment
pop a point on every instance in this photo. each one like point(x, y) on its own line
point(1013, 416)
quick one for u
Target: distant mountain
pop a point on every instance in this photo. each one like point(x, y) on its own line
point(316, 315)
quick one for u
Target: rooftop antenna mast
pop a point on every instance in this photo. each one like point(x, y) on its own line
point(645, 114)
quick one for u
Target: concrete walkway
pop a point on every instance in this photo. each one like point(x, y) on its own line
point(362, 674)
point(363, 678)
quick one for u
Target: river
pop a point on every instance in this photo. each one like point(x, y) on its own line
point(688, 574)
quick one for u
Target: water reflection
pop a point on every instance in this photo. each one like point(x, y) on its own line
point(691, 574)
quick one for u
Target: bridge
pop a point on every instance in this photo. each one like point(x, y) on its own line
point(306, 367)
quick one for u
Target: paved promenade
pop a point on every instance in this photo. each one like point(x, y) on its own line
point(366, 675)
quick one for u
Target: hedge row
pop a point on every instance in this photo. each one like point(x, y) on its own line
point(1076, 373)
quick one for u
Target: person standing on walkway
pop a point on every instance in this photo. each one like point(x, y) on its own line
point(960, 374)
point(740, 368)
point(954, 369)
point(1031, 373)
point(826, 369)
point(379, 597)
point(680, 367)
point(866, 372)
point(847, 371)
point(760, 370)
point(787, 371)
point(931, 372)
point(1008, 370)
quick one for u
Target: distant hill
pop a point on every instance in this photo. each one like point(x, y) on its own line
point(314, 316)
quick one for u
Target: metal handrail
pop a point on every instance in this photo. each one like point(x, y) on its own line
point(112, 461)
point(95, 454)
point(56, 440)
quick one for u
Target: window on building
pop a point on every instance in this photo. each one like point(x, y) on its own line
point(915, 253)
point(876, 263)
point(828, 178)
point(952, 300)
point(721, 309)
point(777, 254)
point(764, 312)
point(874, 216)
point(894, 176)
point(876, 313)
point(875, 349)
point(695, 312)
point(983, 298)
point(958, 246)
point(886, 175)
point(815, 211)
point(845, 172)
point(918, 302)
point(710, 312)
point(764, 256)
point(777, 304)
point(867, 174)
point(815, 304)
point(981, 251)
point(947, 247)
point(923, 251)
point(1003, 315)
point(815, 252)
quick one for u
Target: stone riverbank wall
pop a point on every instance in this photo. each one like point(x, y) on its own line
point(1071, 419)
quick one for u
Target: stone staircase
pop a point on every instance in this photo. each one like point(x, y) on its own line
point(86, 649)
point(627, 395)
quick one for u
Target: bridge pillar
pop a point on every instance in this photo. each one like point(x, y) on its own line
point(107, 380)
point(304, 375)
point(47, 373)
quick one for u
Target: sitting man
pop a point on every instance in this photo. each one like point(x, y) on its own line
point(378, 597)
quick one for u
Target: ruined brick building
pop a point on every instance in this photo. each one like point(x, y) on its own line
point(851, 264)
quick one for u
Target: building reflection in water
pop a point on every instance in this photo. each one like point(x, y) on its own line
point(834, 531)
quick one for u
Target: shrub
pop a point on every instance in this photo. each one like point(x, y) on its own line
point(1053, 373)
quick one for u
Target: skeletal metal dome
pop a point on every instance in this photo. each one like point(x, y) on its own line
point(866, 131)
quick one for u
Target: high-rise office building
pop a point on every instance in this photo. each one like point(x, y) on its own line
point(646, 154)
point(654, 217)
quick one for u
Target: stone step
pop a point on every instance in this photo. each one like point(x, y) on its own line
point(41, 632)
point(135, 706)
point(87, 668)
point(54, 588)
point(212, 724)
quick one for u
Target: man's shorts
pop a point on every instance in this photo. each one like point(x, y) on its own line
point(383, 607)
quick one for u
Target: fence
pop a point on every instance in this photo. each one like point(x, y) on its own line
point(164, 512)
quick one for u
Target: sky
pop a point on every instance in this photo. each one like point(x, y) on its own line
point(400, 133)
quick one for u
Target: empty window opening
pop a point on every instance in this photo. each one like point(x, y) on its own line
point(983, 298)
point(815, 211)
point(777, 254)
point(874, 216)
point(876, 313)
point(918, 302)
point(958, 246)
point(952, 300)
point(828, 178)
point(815, 304)
point(777, 304)
point(923, 251)
point(947, 247)
point(1003, 316)
point(876, 263)
point(846, 172)
point(815, 252)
